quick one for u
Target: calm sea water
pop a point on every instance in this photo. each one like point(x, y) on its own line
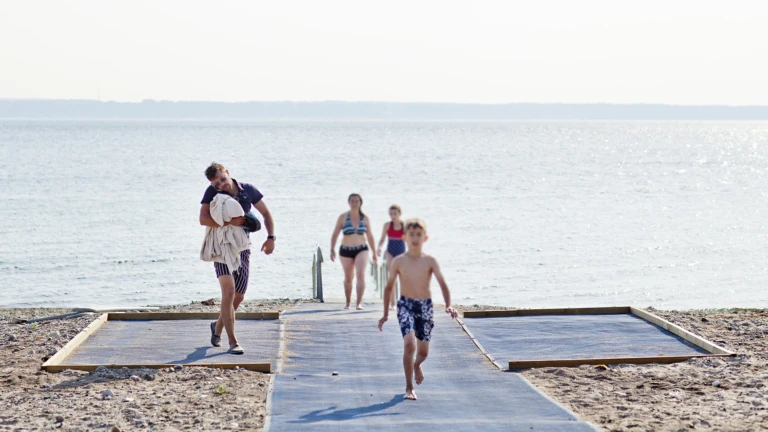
point(528, 214)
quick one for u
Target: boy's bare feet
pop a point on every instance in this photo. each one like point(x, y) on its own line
point(346, 307)
point(418, 374)
point(360, 307)
point(410, 394)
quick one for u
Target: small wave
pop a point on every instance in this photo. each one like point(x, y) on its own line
point(158, 260)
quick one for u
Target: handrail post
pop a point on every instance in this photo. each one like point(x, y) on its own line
point(373, 275)
point(314, 276)
point(319, 275)
point(384, 277)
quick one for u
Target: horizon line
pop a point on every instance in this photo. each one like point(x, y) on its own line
point(339, 101)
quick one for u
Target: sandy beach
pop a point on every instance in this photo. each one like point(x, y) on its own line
point(699, 394)
point(720, 394)
point(191, 398)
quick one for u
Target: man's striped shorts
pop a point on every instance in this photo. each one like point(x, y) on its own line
point(240, 275)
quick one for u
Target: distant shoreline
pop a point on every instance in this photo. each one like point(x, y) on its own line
point(26, 109)
point(355, 120)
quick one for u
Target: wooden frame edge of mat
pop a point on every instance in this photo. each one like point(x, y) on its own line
point(54, 363)
point(271, 386)
point(681, 332)
point(610, 310)
point(81, 337)
point(478, 345)
point(711, 348)
point(256, 367)
point(529, 364)
point(157, 316)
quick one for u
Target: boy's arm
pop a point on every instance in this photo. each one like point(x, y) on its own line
point(444, 288)
point(389, 289)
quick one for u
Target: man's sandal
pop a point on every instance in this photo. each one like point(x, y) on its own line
point(215, 340)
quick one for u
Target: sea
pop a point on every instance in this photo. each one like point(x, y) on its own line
point(666, 214)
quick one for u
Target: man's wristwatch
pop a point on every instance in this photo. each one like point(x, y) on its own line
point(271, 237)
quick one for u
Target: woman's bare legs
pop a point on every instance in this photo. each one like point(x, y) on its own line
point(361, 261)
point(349, 272)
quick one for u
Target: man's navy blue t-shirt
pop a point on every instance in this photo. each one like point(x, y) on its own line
point(247, 195)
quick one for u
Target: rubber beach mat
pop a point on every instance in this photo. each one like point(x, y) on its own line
point(547, 337)
point(176, 342)
point(341, 373)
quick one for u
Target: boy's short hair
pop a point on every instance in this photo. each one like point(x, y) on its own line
point(214, 168)
point(415, 223)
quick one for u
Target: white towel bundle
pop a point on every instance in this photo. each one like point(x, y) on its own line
point(224, 243)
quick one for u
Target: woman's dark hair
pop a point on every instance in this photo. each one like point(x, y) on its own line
point(361, 202)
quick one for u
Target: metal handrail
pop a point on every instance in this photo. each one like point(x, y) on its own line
point(317, 275)
point(379, 272)
point(380, 275)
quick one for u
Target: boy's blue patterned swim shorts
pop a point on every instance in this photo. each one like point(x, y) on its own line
point(416, 316)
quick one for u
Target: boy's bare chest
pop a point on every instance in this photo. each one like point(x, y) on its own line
point(415, 273)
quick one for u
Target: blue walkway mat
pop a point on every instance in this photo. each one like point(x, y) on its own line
point(547, 337)
point(462, 391)
point(176, 342)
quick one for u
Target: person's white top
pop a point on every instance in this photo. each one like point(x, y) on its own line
point(223, 244)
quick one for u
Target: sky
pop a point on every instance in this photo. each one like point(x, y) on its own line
point(477, 51)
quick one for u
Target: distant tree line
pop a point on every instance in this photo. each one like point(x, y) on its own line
point(150, 109)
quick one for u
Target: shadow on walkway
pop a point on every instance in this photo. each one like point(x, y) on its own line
point(198, 354)
point(331, 414)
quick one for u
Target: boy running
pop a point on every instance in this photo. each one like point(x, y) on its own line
point(414, 308)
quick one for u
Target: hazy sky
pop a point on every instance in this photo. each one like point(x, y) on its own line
point(670, 51)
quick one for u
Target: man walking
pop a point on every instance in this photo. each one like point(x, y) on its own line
point(234, 284)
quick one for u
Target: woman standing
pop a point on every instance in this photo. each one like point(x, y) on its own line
point(354, 248)
point(393, 233)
